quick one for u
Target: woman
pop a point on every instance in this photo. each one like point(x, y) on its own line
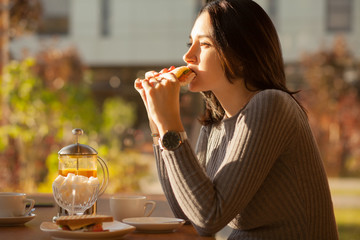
point(256, 165)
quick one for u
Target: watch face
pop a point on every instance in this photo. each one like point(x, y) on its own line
point(171, 140)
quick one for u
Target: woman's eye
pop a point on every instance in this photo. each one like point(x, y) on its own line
point(206, 44)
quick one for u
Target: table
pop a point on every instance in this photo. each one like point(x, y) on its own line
point(31, 230)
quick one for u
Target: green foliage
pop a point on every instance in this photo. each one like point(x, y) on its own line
point(52, 167)
point(348, 221)
point(21, 92)
point(34, 111)
point(346, 193)
point(126, 168)
point(117, 116)
point(37, 120)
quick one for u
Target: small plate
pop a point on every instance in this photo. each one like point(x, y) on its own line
point(155, 224)
point(11, 221)
point(116, 230)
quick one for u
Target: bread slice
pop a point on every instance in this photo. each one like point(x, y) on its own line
point(79, 221)
point(184, 74)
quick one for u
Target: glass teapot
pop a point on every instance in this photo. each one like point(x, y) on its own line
point(77, 187)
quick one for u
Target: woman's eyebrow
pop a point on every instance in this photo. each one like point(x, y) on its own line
point(204, 36)
point(201, 36)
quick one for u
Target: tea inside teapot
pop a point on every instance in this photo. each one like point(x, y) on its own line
point(78, 164)
point(84, 172)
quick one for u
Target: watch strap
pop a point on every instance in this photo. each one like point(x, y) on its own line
point(183, 136)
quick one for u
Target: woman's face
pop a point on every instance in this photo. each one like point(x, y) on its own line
point(203, 59)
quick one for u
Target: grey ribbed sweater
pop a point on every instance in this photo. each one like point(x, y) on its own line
point(259, 171)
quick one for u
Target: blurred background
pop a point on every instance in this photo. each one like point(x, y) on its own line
point(72, 63)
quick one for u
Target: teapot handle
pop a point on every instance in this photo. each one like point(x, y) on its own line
point(105, 170)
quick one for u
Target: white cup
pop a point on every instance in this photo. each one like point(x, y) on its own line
point(14, 204)
point(130, 206)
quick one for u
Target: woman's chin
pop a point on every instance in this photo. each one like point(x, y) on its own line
point(193, 86)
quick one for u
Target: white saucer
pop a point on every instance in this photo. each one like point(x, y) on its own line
point(11, 221)
point(116, 231)
point(155, 224)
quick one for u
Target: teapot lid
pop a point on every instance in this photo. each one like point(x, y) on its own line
point(77, 148)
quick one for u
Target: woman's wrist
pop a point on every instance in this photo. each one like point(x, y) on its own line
point(162, 131)
point(155, 136)
point(154, 132)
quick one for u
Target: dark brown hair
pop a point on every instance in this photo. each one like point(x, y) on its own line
point(249, 48)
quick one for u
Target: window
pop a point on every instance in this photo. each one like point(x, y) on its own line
point(55, 17)
point(105, 18)
point(339, 15)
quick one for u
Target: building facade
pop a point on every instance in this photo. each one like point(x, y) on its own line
point(155, 33)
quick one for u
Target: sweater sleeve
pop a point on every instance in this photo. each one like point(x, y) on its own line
point(165, 184)
point(164, 179)
point(261, 133)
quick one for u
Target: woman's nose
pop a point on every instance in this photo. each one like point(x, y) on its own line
point(189, 56)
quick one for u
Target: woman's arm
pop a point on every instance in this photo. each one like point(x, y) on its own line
point(165, 184)
point(164, 178)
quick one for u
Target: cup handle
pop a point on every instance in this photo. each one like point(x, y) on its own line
point(32, 203)
point(148, 203)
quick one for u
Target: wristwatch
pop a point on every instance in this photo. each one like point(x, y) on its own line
point(172, 140)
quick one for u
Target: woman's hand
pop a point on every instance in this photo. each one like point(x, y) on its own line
point(161, 98)
point(138, 86)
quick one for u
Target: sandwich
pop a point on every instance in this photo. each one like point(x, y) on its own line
point(184, 74)
point(85, 223)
